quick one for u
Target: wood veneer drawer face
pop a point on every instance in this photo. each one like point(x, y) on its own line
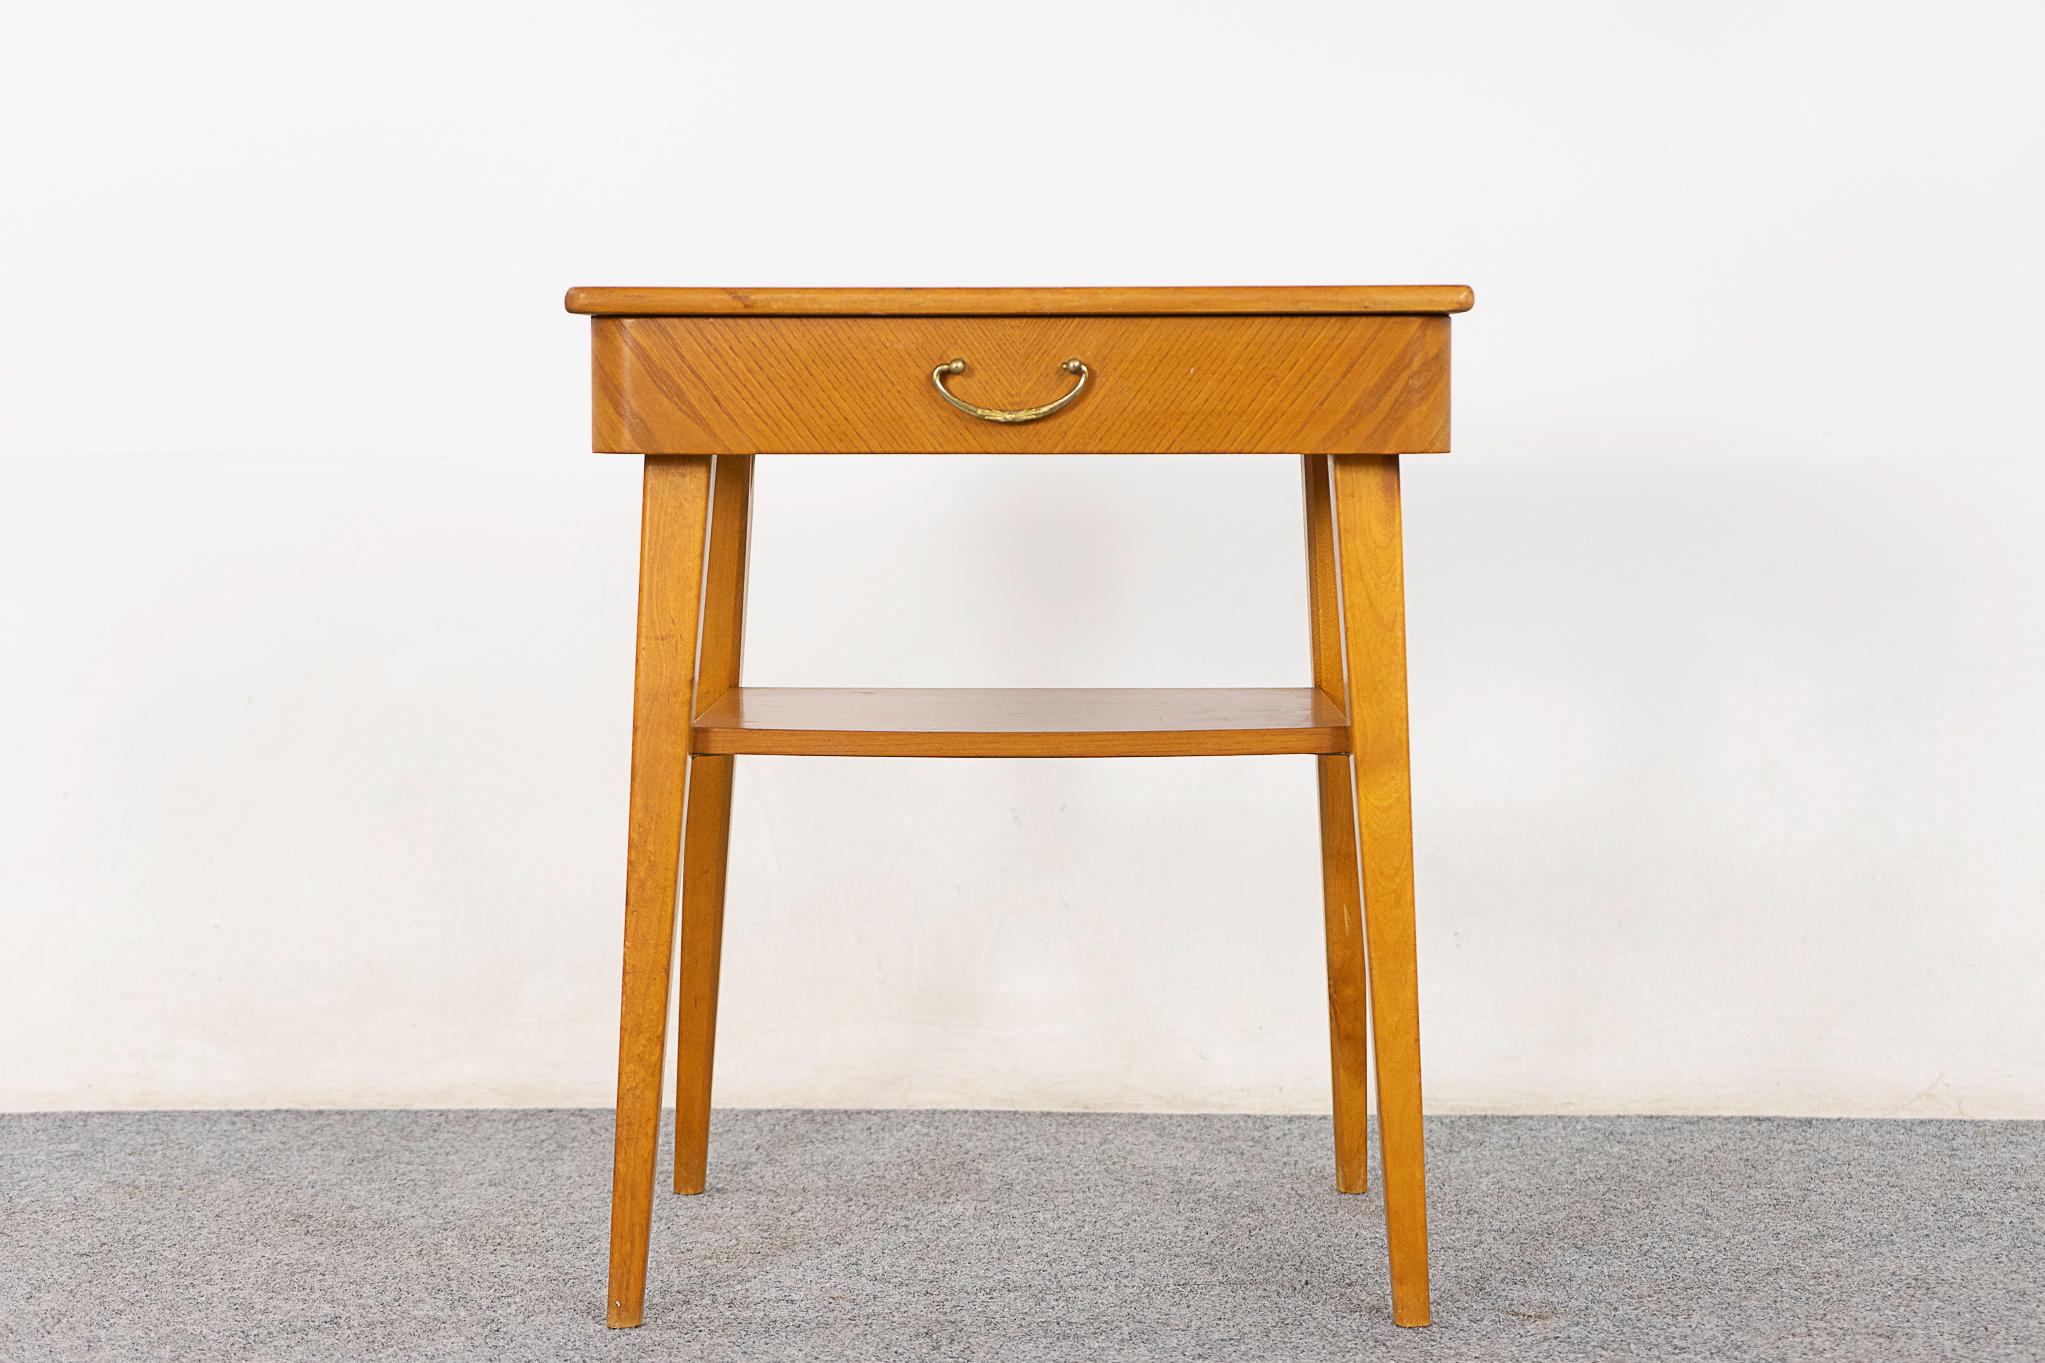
point(1166, 385)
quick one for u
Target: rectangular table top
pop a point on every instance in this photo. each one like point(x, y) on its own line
point(1286, 300)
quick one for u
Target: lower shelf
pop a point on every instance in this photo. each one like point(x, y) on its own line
point(1120, 722)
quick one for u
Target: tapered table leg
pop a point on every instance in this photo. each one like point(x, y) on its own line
point(674, 518)
point(1348, 1034)
point(1372, 574)
point(705, 846)
point(707, 836)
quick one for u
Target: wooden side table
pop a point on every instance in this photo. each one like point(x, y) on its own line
point(699, 381)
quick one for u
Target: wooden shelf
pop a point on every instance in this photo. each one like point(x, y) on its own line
point(1133, 722)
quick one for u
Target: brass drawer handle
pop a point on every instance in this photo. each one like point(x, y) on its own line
point(996, 413)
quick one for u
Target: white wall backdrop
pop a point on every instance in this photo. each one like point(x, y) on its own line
point(1727, 644)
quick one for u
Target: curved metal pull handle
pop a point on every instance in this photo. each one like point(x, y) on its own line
point(1004, 417)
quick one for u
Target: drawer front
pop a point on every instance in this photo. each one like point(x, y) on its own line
point(1164, 385)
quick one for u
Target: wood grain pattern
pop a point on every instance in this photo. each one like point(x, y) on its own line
point(1341, 895)
point(1281, 301)
point(1373, 580)
point(673, 519)
point(1141, 722)
point(1165, 385)
point(706, 838)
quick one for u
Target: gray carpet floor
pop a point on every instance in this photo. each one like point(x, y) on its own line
point(1025, 1236)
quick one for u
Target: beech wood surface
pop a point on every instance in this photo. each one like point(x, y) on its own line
point(1022, 722)
point(1373, 580)
point(1341, 893)
point(1281, 300)
point(706, 838)
point(674, 516)
point(1159, 385)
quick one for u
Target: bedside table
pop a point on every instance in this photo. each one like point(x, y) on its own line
point(701, 381)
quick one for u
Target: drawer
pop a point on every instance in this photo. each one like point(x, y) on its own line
point(1251, 384)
